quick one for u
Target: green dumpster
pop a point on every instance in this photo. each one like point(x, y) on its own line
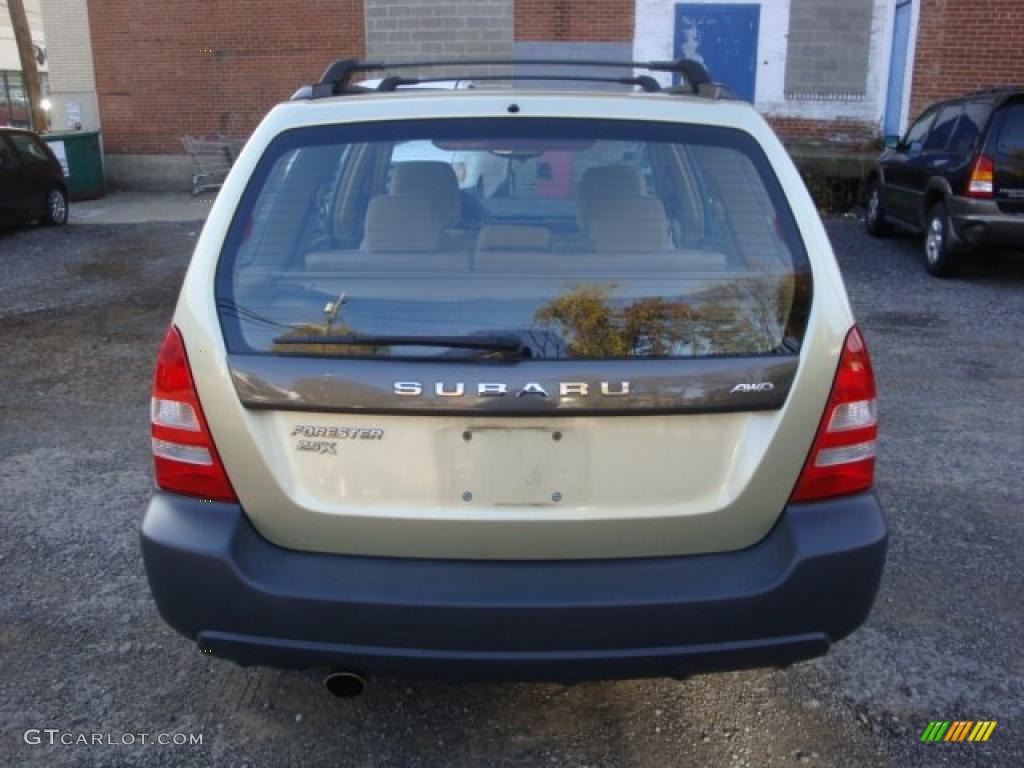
point(80, 156)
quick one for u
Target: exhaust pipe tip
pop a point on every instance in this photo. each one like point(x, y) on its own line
point(345, 684)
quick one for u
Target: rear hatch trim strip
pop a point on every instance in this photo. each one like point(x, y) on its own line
point(522, 388)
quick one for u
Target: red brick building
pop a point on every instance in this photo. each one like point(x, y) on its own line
point(821, 70)
point(965, 46)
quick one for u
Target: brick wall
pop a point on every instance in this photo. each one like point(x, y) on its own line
point(963, 46)
point(800, 130)
point(164, 70)
point(574, 20)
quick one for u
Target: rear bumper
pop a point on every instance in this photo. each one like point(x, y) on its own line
point(810, 582)
point(982, 223)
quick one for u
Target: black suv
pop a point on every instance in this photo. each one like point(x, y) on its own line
point(957, 176)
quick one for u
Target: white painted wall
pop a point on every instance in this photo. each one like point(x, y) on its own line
point(655, 29)
point(8, 49)
point(908, 77)
point(72, 79)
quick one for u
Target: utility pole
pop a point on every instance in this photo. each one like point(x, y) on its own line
point(29, 70)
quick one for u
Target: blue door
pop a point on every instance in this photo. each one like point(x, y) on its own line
point(724, 39)
point(897, 69)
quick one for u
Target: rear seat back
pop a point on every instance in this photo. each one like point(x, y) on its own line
point(628, 224)
point(436, 181)
point(402, 224)
point(605, 181)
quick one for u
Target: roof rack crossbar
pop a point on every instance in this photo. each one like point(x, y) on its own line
point(337, 79)
point(644, 82)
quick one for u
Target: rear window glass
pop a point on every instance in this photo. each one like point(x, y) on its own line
point(29, 148)
point(576, 239)
point(967, 130)
point(940, 133)
point(1011, 134)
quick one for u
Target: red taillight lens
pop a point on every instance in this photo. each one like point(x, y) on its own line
point(184, 456)
point(842, 459)
point(982, 176)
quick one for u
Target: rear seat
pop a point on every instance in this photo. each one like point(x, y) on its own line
point(435, 180)
point(401, 231)
point(627, 224)
point(605, 181)
point(402, 223)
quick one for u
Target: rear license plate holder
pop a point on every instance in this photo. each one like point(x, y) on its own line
point(518, 466)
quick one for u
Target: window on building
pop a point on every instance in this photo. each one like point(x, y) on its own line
point(938, 138)
point(14, 109)
point(19, 100)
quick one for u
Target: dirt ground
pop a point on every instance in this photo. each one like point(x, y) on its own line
point(83, 650)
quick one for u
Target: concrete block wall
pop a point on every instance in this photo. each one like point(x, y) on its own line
point(829, 42)
point(411, 29)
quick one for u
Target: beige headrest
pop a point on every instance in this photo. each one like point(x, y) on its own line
point(434, 179)
point(605, 181)
point(402, 223)
point(506, 237)
point(631, 224)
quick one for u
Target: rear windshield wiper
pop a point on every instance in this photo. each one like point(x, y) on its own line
point(511, 346)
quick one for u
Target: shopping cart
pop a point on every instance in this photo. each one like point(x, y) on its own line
point(212, 158)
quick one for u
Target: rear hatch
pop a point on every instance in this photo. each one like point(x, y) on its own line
point(422, 370)
point(1006, 147)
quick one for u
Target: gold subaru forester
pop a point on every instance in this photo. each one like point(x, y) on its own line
point(595, 409)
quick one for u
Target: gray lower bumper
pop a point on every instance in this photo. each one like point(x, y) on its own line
point(983, 223)
point(810, 582)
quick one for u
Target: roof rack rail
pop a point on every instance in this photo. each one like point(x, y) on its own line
point(337, 79)
point(996, 90)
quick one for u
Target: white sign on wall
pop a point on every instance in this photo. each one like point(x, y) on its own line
point(73, 110)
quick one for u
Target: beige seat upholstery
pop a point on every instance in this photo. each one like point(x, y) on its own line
point(402, 224)
point(436, 181)
point(628, 224)
point(605, 181)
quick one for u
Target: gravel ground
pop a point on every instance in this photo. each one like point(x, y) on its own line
point(83, 650)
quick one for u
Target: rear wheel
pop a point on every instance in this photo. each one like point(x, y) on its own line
point(874, 217)
point(940, 256)
point(56, 213)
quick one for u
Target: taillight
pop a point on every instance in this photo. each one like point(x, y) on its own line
point(980, 182)
point(184, 456)
point(842, 459)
